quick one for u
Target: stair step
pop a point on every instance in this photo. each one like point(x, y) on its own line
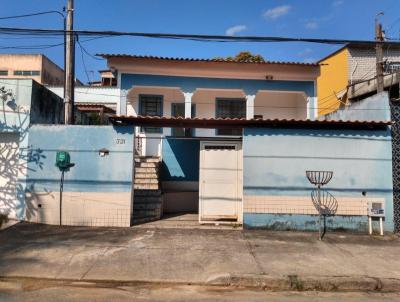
point(145, 165)
point(146, 175)
point(146, 170)
point(146, 206)
point(146, 212)
point(137, 186)
point(147, 192)
point(147, 199)
point(147, 159)
point(146, 181)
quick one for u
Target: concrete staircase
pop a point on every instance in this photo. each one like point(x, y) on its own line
point(147, 202)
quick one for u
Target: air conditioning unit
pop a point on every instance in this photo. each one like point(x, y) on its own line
point(376, 209)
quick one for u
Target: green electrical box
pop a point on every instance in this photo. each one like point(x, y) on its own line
point(63, 160)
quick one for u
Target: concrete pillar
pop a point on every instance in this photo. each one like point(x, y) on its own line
point(188, 104)
point(250, 106)
point(312, 108)
point(121, 106)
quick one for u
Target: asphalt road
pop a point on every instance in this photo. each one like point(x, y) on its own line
point(60, 293)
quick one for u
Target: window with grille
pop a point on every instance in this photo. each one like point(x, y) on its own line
point(230, 108)
point(151, 105)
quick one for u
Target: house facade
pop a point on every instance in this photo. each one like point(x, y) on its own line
point(196, 88)
point(225, 133)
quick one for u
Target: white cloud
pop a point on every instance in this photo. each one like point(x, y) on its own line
point(312, 25)
point(231, 31)
point(276, 12)
point(337, 3)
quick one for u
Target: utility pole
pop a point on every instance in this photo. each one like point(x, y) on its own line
point(69, 66)
point(379, 54)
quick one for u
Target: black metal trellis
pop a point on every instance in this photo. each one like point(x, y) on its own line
point(323, 201)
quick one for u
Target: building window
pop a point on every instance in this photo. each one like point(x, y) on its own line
point(27, 72)
point(151, 105)
point(230, 108)
point(3, 72)
point(178, 110)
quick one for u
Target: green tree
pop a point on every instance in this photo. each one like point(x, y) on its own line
point(243, 57)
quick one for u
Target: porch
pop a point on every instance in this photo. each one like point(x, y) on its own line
point(207, 103)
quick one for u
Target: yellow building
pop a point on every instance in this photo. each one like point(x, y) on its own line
point(332, 81)
point(353, 63)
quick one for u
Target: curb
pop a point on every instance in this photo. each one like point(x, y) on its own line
point(250, 281)
point(297, 283)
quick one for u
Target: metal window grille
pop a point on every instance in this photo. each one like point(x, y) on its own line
point(230, 108)
point(151, 105)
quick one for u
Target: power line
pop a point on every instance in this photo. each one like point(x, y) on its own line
point(202, 38)
point(46, 46)
point(33, 15)
point(83, 60)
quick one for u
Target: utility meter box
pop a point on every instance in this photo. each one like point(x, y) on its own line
point(63, 160)
point(376, 209)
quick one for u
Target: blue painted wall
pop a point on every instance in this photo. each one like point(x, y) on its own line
point(92, 173)
point(180, 159)
point(275, 161)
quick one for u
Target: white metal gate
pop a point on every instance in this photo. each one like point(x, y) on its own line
point(221, 181)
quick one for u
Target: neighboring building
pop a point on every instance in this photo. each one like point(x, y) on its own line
point(97, 191)
point(349, 73)
point(98, 103)
point(107, 79)
point(25, 103)
point(31, 66)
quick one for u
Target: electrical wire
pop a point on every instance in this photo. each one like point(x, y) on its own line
point(197, 37)
point(33, 15)
point(83, 60)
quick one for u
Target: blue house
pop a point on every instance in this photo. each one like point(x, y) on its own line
point(235, 140)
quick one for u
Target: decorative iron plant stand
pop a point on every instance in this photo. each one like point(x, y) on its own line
point(324, 202)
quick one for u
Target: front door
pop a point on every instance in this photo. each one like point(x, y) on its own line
point(221, 184)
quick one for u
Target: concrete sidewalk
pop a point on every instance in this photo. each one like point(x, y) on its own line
point(264, 259)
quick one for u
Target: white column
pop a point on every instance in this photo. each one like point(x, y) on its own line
point(250, 106)
point(188, 104)
point(121, 106)
point(312, 108)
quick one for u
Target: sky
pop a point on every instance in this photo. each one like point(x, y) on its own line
point(334, 19)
